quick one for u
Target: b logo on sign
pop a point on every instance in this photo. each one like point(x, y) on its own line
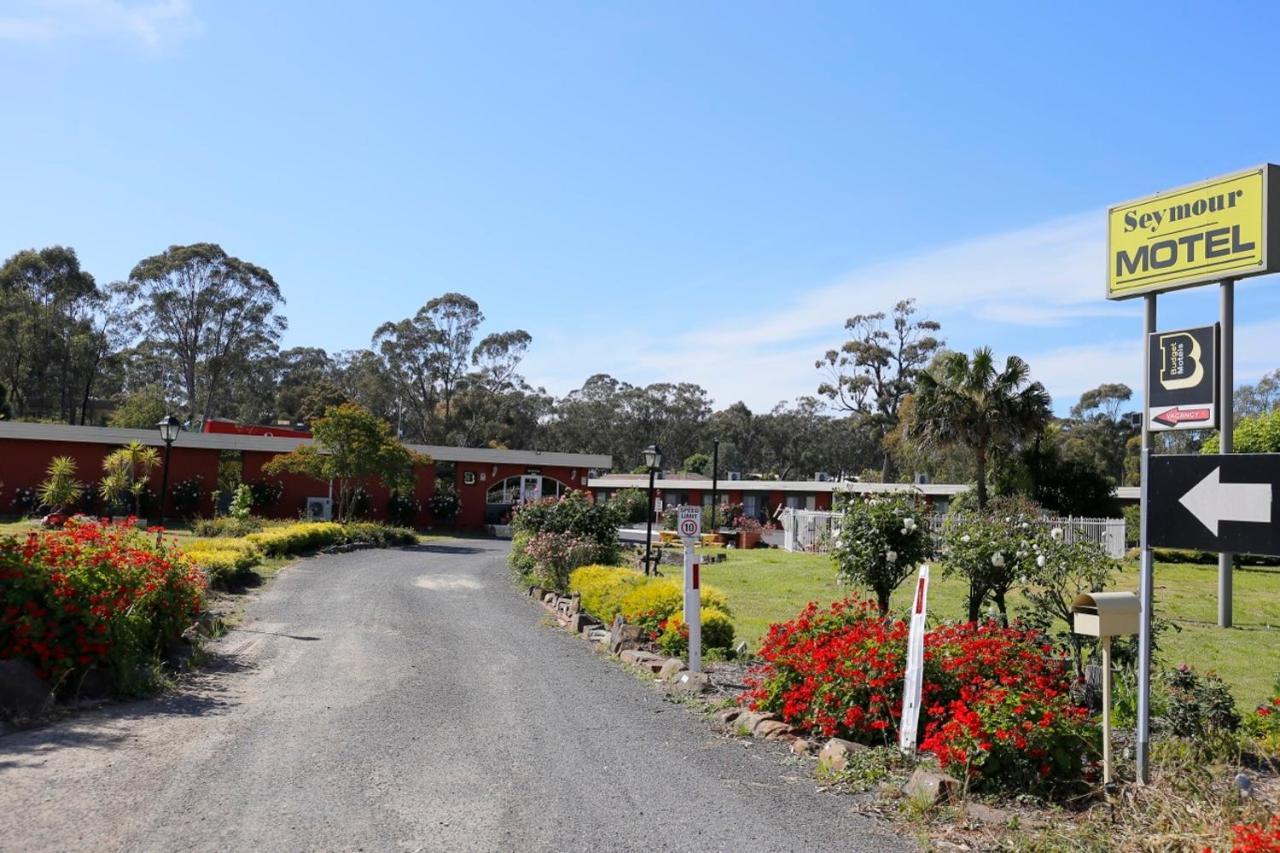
point(1180, 365)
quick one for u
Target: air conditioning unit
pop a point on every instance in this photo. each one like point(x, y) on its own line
point(319, 509)
point(922, 479)
point(735, 475)
point(822, 477)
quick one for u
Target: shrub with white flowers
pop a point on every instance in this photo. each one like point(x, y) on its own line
point(879, 543)
point(994, 550)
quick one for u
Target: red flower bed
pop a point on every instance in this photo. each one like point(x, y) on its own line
point(93, 594)
point(1257, 837)
point(995, 699)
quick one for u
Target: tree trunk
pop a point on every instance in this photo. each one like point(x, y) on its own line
point(1000, 605)
point(975, 602)
point(882, 599)
point(981, 458)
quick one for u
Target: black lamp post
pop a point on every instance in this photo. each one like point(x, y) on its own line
point(653, 460)
point(169, 427)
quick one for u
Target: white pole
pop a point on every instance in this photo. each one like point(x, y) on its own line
point(1225, 430)
point(1106, 710)
point(1145, 577)
point(693, 606)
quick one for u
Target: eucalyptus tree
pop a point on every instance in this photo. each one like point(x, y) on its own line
point(876, 368)
point(210, 315)
point(47, 335)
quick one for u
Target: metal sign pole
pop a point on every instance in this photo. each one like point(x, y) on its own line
point(693, 606)
point(1145, 578)
point(1225, 430)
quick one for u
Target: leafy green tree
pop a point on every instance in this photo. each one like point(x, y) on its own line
point(879, 543)
point(698, 463)
point(1255, 434)
point(352, 447)
point(1260, 398)
point(969, 403)
point(50, 343)
point(876, 368)
point(141, 409)
point(61, 489)
point(209, 316)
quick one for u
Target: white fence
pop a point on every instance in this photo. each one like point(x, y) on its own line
point(811, 530)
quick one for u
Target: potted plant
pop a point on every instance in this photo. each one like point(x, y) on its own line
point(126, 472)
point(749, 531)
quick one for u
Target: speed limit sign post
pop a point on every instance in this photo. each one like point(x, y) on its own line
point(689, 526)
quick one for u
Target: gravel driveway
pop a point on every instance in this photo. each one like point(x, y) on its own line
point(409, 700)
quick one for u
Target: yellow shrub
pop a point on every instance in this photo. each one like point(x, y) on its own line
point(660, 597)
point(294, 538)
point(602, 588)
point(222, 559)
point(717, 629)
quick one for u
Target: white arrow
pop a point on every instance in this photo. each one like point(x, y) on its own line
point(1212, 501)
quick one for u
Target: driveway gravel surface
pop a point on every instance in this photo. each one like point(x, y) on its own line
point(409, 700)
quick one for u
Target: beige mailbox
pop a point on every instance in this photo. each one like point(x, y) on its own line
point(1105, 615)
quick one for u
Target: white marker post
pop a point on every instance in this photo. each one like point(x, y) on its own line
point(689, 526)
point(913, 686)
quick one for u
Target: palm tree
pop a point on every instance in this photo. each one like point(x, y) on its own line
point(126, 472)
point(965, 402)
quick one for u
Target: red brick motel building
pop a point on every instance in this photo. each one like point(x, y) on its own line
point(488, 481)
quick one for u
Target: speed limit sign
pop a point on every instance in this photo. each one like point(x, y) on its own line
point(689, 522)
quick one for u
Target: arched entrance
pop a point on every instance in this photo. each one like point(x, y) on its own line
point(503, 495)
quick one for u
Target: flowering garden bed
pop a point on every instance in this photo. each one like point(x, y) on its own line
point(996, 706)
point(94, 596)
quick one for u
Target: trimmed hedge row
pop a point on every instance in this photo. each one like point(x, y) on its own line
point(223, 558)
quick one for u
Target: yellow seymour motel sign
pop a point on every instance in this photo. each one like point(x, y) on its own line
point(1205, 232)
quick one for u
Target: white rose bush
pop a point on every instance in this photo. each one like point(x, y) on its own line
point(994, 550)
point(880, 542)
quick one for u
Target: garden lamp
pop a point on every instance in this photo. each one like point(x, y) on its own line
point(169, 427)
point(652, 459)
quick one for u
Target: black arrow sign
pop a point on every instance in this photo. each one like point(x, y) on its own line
point(1215, 503)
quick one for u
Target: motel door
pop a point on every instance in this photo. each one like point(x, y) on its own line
point(531, 487)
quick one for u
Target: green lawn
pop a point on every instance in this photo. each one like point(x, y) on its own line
point(767, 585)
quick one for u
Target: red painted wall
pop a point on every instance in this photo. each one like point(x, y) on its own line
point(24, 463)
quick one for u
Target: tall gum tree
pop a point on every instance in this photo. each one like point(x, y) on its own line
point(876, 368)
point(207, 313)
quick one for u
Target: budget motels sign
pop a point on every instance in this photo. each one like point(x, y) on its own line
point(1210, 231)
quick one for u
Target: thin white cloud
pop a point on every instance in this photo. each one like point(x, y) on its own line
point(1036, 291)
point(152, 24)
point(1046, 275)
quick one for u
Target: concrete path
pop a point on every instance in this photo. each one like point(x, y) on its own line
point(408, 700)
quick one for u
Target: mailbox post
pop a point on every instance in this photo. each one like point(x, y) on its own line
point(1105, 615)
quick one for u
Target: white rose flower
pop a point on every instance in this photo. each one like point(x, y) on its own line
point(1040, 561)
point(1056, 533)
point(997, 560)
point(891, 556)
point(909, 523)
point(964, 538)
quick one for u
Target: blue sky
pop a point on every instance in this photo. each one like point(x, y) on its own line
point(660, 191)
